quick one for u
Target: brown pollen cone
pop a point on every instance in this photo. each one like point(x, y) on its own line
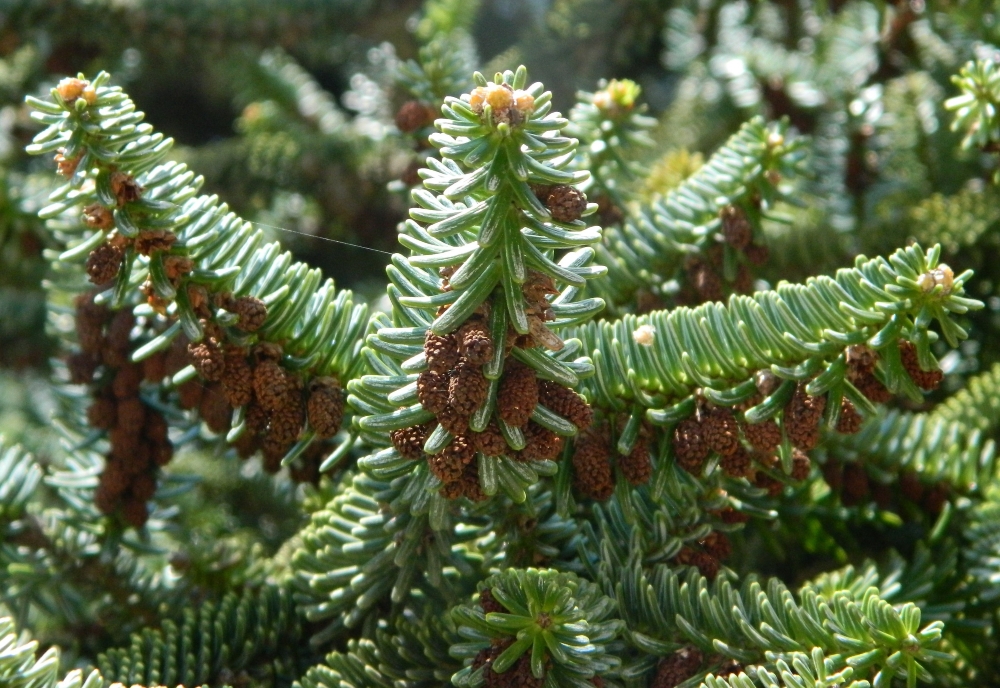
point(176, 266)
point(736, 227)
point(237, 380)
point(773, 486)
point(432, 391)
point(737, 464)
point(566, 203)
point(135, 513)
point(208, 359)
point(102, 414)
point(409, 442)
point(251, 311)
point(467, 486)
point(271, 385)
point(489, 603)
point(721, 431)
point(127, 381)
point(131, 415)
point(592, 475)
point(565, 402)
point(730, 515)
point(757, 254)
point(67, 166)
point(120, 329)
point(189, 394)
point(325, 408)
point(162, 453)
point(467, 388)
point(273, 450)
point(541, 443)
point(706, 564)
point(765, 436)
point(490, 441)
point(677, 668)
point(636, 465)
point(103, 263)
point(286, 421)
point(154, 368)
point(801, 465)
point(441, 352)
point(690, 447)
point(474, 342)
point(924, 379)
point(517, 676)
point(82, 366)
point(704, 279)
point(717, 544)
point(856, 487)
point(849, 421)
point(454, 421)
point(150, 240)
point(155, 429)
point(872, 388)
point(143, 487)
point(802, 419)
point(413, 115)
point(833, 474)
point(96, 216)
point(215, 409)
point(125, 188)
point(518, 393)
point(449, 464)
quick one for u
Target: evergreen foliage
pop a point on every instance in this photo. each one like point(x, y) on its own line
point(632, 408)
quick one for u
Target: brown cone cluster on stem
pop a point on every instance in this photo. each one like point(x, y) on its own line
point(704, 272)
point(137, 432)
point(278, 402)
point(742, 445)
point(592, 473)
point(924, 379)
point(565, 203)
point(677, 668)
point(517, 676)
point(454, 387)
point(595, 455)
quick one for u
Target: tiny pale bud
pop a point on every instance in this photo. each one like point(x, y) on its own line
point(602, 99)
point(644, 335)
point(944, 276)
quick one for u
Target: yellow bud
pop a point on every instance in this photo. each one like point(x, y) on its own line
point(499, 98)
point(70, 89)
point(525, 102)
point(477, 98)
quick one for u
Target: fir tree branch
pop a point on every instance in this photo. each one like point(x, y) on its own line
point(953, 442)
point(651, 248)
point(192, 259)
point(494, 212)
point(256, 632)
point(760, 623)
point(975, 107)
